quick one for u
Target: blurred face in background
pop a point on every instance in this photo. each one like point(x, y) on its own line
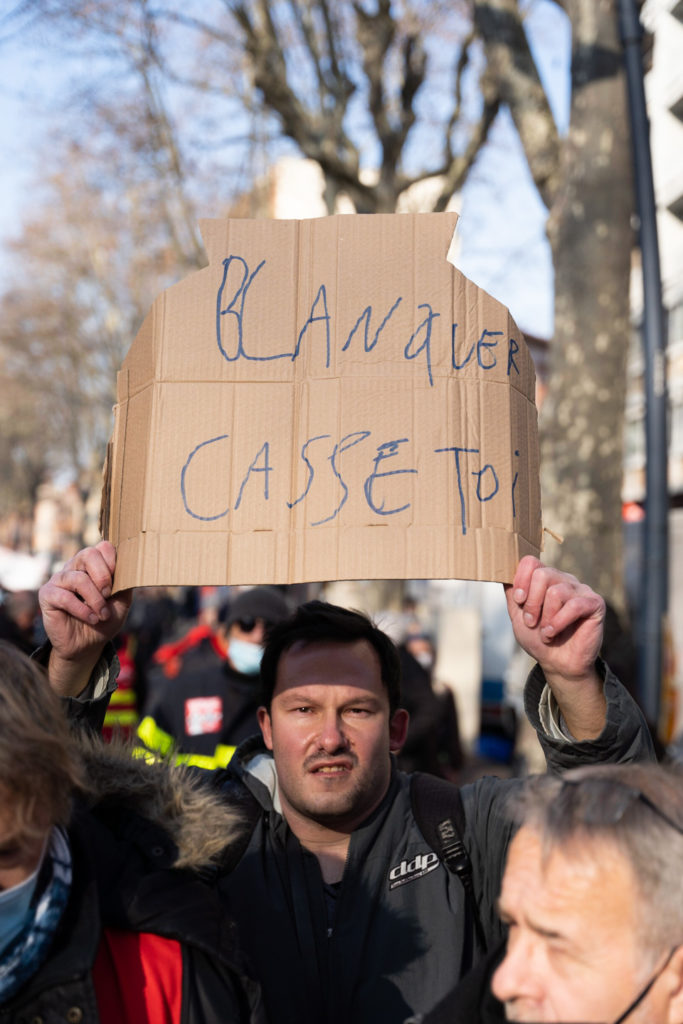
point(244, 644)
point(422, 650)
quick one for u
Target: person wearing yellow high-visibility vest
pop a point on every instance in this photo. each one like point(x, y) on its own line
point(204, 691)
point(123, 713)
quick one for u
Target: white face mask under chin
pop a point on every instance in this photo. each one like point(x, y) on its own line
point(15, 904)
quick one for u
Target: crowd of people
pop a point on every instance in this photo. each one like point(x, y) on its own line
point(188, 678)
point(268, 860)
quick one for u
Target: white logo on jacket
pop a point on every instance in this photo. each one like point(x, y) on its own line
point(410, 870)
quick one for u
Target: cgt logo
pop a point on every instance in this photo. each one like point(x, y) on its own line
point(410, 870)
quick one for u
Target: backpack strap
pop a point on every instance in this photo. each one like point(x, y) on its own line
point(440, 815)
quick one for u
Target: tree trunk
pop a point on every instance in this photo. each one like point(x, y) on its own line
point(591, 239)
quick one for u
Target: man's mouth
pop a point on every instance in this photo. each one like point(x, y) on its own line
point(335, 768)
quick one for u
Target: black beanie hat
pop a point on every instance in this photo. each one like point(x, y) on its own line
point(267, 603)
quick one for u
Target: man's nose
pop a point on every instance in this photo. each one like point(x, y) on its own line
point(332, 736)
point(515, 977)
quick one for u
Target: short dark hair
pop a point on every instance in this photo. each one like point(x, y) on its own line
point(319, 622)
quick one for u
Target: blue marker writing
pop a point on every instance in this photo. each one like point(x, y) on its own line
point(387, 450)
point(346, 442)
point(253, 468)
point(365, 317)
point(426, 324)
point(183, 475)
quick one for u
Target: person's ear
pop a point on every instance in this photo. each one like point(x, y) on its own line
point(265, 726)
point(672, 983)
point(398, 730)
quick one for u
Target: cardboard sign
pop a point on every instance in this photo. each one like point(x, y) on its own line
point(328, 399)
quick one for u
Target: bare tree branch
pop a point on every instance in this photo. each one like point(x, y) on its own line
point(512, 69)
point(456, 174)
point(461, 66)
point(321, 137)
point(189, 249)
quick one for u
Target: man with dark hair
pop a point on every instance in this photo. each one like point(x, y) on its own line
point(346, 910)
point(320, 622)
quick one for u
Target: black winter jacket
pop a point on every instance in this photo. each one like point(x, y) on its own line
point(402, 932)
point(395, 951)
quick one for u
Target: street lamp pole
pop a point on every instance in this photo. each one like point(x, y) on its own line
point(656, 570)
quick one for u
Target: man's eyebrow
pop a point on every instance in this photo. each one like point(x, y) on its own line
point(293, 697)
point(304, 699)
point(547, 933)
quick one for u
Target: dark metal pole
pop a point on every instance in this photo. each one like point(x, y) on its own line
point(655, 591)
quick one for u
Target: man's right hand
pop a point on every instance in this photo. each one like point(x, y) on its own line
point(80, 616)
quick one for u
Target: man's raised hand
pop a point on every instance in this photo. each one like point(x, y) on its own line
point(80, 615)
point(559, 622)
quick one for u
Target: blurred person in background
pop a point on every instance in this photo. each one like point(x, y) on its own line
point(123, 713)
point(433, 741)
point(20, 619)
point(154, 618)
point(204, 694)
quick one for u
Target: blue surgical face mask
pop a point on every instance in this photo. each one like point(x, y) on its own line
point(245, 657)
point(15, 906)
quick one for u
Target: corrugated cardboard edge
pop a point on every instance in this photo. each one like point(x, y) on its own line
point(105, 503)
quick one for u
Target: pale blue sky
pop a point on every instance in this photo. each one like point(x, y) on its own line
point(502, 228)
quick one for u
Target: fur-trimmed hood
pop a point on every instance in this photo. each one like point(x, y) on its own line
point(178, 799)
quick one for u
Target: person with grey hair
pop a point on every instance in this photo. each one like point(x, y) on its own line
point(592, 903)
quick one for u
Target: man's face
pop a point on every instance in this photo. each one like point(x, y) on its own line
point(574, 951)
point(331, 732)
